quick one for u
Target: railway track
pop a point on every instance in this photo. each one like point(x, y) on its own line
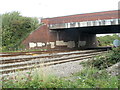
point(12, 54)
point(13, 64)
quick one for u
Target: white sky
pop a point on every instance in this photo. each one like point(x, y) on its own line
point(53, 8)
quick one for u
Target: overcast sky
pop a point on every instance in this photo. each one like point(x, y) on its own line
point(53, 8)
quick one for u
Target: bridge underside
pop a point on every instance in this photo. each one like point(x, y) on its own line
point(68, 38)
point(96, 29)
point(83, 37)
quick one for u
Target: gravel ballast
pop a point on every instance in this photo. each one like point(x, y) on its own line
point(59, 70)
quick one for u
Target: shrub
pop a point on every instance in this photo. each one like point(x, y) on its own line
point(92, 78)
point(104, 60)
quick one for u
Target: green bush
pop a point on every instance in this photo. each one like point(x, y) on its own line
point(104, 60)
point(93, 78)
point(15, 28)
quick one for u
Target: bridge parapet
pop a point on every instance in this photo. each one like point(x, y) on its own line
point(85, 24)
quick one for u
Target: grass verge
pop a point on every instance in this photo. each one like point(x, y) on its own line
point(87, 78)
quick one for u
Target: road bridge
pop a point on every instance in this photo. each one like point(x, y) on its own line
point(73, 31)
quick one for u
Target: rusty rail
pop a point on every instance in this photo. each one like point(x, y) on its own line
point(15, 64)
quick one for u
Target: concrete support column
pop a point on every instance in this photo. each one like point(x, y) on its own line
point(86, 40)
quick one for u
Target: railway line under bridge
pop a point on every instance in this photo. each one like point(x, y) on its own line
point(73, 31)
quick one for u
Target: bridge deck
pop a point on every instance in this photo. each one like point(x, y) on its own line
point(84, 20)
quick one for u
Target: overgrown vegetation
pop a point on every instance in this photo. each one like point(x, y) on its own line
point(105, 60)
point(16, 28)
point(87, 78)
point(91, 77)
point(107, 40)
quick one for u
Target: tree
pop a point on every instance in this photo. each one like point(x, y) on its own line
point(15, 28)
point(0, 32)
point(107, 40)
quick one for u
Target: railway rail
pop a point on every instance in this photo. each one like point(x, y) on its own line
point(12, 54)
point(17, 63)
